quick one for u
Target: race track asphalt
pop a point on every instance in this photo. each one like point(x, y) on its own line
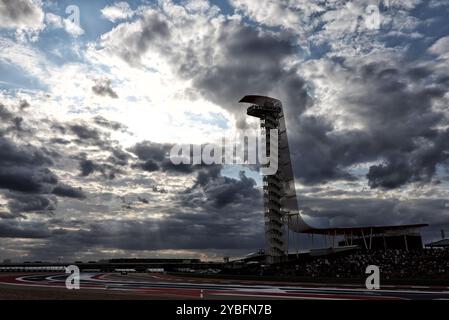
point(162, 286)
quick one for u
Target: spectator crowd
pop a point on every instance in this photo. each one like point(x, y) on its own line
point(393, 264)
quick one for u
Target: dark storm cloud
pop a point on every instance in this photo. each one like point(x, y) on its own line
point(114, 125)
point(5, 114)
point(168, 166)
point(402, 122)
point(32, 203)
point(212, 189)
point(119, 157)
point(31, 180)
point(147, 150)
point(12, 123)
point(158, 189)
point(22, 168)
point(94, 133)
point(253, 63)
point(155, 156)
point(149, 166)
point(143, 200)
point(15, 229)
point(85, 133)
point(17, 123)
point(60, 141)
point(393, 174)
point(69, 191)
point(97, 133)
point(88, 167)
point(103, 88)
point(24, 104)
point(316, 154)
point(231, 191)
point(10, 215)
point(399, 130)
point(26, 179)
point(207, 175)
point(90, 135)
point(30, 188)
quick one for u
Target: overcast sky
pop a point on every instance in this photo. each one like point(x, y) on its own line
point(89, 110)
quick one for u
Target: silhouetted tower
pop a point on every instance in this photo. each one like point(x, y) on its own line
point(280, 202)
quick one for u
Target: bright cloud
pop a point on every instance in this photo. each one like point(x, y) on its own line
point(118, 11)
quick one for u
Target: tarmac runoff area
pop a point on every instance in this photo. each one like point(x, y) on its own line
point(100, 286)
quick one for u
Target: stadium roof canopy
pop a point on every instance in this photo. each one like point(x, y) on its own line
point(365, 230)
point(439, 244)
